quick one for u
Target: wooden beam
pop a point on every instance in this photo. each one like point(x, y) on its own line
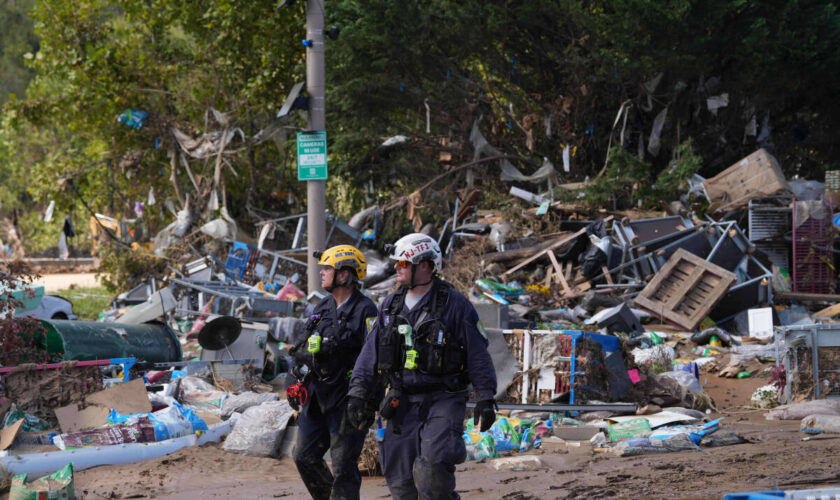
point(607, 275)
point(809, 297)
point(559, 271)
point(558, 243)
point(830, 311)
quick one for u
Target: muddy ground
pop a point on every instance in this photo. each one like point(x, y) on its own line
point(775, 458)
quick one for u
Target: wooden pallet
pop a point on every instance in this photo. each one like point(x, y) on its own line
point(685, 290)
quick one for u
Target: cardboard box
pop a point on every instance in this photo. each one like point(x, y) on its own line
point(759, 174)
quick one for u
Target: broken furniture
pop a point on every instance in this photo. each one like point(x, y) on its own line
point(685, 290)
point(554, 354)
point(812, 247)
point(810, 355)
point(754, 176)
point(620, 319)
point(768, 222)
point(227, 338)
point(638, 239)
point(229, 299)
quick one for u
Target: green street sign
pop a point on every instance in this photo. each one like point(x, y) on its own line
point(312, 156)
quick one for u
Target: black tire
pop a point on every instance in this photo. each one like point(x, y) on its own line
point(59, 315)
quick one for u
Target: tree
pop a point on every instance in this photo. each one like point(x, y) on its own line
point(176, 62)
point(16, 39)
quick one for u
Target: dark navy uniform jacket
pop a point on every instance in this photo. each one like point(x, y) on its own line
point(355, 318)
point(461, 319)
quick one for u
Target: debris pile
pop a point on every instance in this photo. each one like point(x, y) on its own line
point(604, 327)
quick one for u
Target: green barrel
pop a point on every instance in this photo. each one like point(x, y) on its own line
point(89, 340)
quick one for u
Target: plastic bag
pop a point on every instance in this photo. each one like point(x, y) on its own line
point(685, 379)
point(659, 353)
point(31, 423)
point(703, 338)
point(505, 435)
point(259, 431)
point(749, 351)
point(766, 396)
point(798, 411)
point(696, 432)
point(817, 424)
point(721, 437)
point(174, 421)
point(59, 484)
point(241, 402)
point(645, 446)
point(635, 427)
point(483, 447)
point(190, 384)
point(139, 431)
point(511, 290)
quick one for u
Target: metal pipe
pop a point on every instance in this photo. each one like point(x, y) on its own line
point(614, 407)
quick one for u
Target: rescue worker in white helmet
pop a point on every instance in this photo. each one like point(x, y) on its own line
point(428, 345)
point(323, 363)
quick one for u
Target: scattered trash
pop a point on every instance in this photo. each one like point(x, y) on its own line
point(817, 424)
point(57, 485)
point(798, 411)
point(765, 396)
point(519, 463)
point(636, 427)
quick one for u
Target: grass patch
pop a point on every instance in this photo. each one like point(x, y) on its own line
point(87, 302)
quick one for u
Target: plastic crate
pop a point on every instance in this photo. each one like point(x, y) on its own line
point(237, 259)
point(812, 256)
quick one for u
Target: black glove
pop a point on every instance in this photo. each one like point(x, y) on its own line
point(300, 354)
point(484, 410)
point(360, 414)
point(294, 402)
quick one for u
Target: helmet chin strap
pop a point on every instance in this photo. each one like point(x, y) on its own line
point(335, 285)
point(413, 285)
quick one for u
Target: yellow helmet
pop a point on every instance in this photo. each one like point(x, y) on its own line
point(345, 256)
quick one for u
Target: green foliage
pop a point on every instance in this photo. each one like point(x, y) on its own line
point(628, 179)
point(673, 181)
point(122, 269)
point(17, 38)
point(87, 302)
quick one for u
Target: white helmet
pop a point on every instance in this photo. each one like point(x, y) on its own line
point(415, 248)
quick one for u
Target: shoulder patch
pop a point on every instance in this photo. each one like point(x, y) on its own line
point(480, 326)
point(369, 323)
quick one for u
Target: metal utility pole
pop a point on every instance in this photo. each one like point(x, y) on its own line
point(315, 190)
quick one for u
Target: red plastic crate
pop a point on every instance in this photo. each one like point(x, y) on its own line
point(812, 256)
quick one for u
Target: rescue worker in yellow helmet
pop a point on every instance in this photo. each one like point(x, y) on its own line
point(323, 364)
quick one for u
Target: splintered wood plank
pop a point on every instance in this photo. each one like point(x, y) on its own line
point(685, 290)
point(830, 311)
point(558, 243)
point(607, 275)
point(558, 271)
point(569, 271)
point(548, 274)
point(554, 263)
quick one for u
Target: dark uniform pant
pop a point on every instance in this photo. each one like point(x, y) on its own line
point(421, 459)
point(318, 432)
